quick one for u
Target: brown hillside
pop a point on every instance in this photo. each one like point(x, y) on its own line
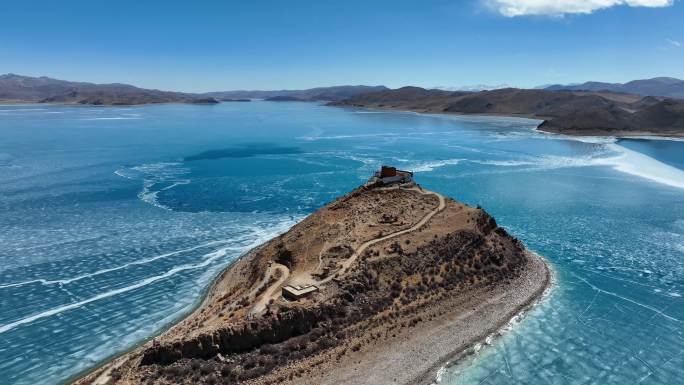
point(568, 112)
point(387, 262)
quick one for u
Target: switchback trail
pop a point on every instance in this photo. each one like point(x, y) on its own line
point(271, 292)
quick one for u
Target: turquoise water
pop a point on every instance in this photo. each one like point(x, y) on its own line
point(114, 220)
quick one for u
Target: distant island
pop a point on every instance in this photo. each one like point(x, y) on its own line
point(565, 112)
point(381, 286)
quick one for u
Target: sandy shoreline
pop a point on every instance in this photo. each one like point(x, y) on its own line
point(585, 133)
point(416, 357)
point(627, 135)
point(522, 310)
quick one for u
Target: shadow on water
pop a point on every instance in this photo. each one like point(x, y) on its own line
point(244, 151)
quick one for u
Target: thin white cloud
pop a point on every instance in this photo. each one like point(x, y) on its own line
point(674, 43)
point(512, 8)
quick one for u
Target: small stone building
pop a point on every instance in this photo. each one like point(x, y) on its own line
point(294, 293)
point(389, 175)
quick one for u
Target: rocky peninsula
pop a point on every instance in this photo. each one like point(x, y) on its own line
point(381, 286)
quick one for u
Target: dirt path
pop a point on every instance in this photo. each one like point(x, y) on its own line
point(346, 264)
point(263, 282)
point(271, 292)
point(106, 374)
point(320, 255)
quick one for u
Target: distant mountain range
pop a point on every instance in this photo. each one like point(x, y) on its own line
point(662, 86)
point(312, 94)
point(473, 87)
point(18, 88)
point(591, 108)
point(567, 112)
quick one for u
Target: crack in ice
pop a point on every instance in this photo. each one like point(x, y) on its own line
point(651, 308)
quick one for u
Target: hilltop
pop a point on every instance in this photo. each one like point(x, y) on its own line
point(567, 112)
point(380, 286)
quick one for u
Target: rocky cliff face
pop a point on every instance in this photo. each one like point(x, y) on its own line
point(240, 338)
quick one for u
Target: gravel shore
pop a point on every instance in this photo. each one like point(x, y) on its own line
point(414, 357)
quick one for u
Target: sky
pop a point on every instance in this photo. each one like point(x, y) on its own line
point(276, 44)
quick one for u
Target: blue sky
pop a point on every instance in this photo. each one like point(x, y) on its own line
point(222, 45)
